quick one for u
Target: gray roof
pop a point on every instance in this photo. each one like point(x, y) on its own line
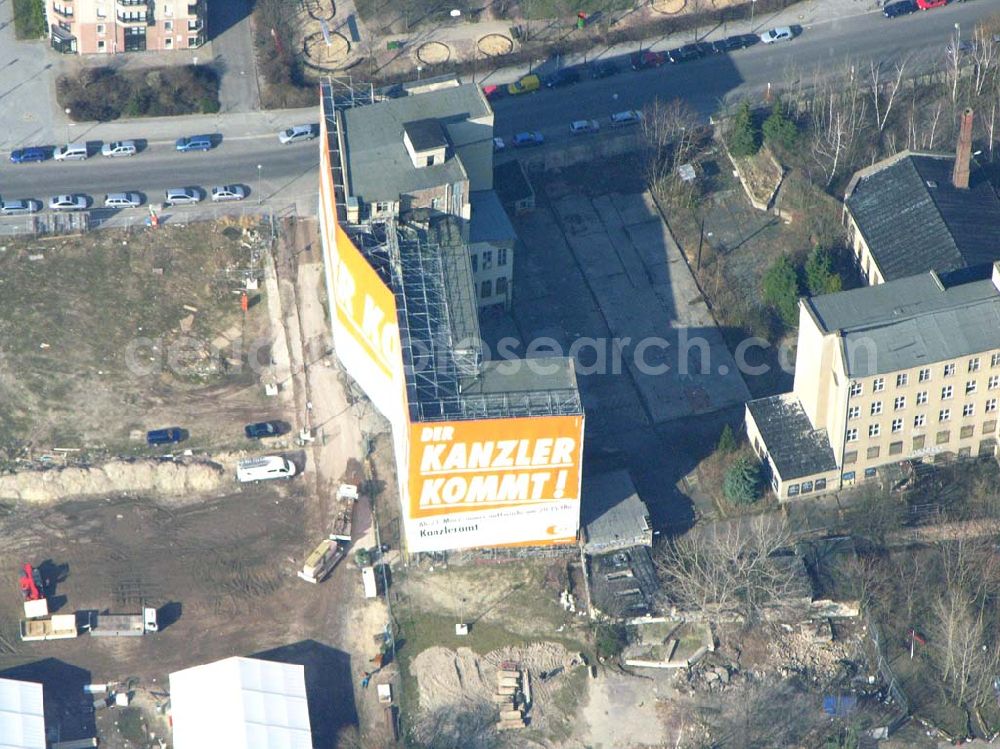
point(426, 134)
point(379, 168)
point(490, 222)
point(613, 515)
point(914, 220)
point(796, 449)
point(910, 322)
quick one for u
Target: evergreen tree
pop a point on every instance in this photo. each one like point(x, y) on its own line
point(727, 441)
point(781, 289)
point(743, 137)
point(779, 129)
point(741, 484)
point(820, 275)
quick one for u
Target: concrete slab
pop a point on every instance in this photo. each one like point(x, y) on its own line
point(27, 100)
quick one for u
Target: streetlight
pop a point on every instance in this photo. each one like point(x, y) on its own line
point(418, 72)
point(260, 195)
point(68, 123)
point(753, 7)
point(958, 35)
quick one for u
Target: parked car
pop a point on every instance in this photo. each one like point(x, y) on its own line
point(19, 207)
point(628, 117)
point(902, 8)
point(737, 41)
point(261, 429)
point(525, 85)
point(565, 77)
point(647, 59)
point(224, 193)
point(71, 152)
point(683, 54)
point(498, 145)
point(297, 134)
point(122, 200)
point(581, 127)
point(603, 70)
point(528, 139)
point(32, 153)
point(493, 91)
point(119, 148)
point(194, 143)
point(182, 196)
point(779, 34)
point(928, 4)
point(167, 436)
point(68, 202)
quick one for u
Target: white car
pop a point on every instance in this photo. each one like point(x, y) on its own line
point(19, 207)
point(223, 193)
point(182, 196)
point(498, 145)
point(297, 134)
point(122, 200)
point(780, 34)
point(68, 202)
point(628, 117)
point(119, 148)
point(579, 127)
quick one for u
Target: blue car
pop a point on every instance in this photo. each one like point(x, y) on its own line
point(164, 436)
point(528, 139)
point(34, 153)
point(261, 429)
point(194, 143)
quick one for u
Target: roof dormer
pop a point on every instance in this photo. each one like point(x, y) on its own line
point(425, 142)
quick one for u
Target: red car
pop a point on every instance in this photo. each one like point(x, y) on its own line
point(928, 4)
point(647, 59)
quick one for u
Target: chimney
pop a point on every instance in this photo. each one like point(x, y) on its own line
point(963, 153)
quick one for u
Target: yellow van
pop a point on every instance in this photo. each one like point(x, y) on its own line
point(525, 85)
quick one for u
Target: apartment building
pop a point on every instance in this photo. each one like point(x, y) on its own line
point(426, 160)
point(906, 370)
point(107, 27)
point(917, 212)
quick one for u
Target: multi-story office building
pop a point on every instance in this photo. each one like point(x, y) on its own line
point(88, 27)
point(908, 369)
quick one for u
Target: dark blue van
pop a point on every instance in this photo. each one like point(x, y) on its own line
point(164, 436)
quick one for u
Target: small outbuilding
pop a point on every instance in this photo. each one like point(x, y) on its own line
point(614, 517)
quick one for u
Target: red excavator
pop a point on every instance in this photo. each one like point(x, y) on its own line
point(31, 584)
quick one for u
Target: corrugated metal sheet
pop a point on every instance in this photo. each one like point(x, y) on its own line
point(22, 715)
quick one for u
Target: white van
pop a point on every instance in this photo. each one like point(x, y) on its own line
point(264, 468)
point(71, 152)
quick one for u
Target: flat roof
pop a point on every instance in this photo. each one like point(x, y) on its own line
point(489, 222)
point(910, 322)
point(240, 703)
point(426, 134)
point(612, 514)
point(795, 447)
point(22, 715)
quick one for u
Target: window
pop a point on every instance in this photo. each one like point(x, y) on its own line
point(874, 430)
point(918, 442)
point(100, 45)
point(382, 207)
point(168, 42)
point(925, 375)
point(974, 364)
point(475, 263)
point(919, 420)
point(947, 392)
point(965, 452)
point(855, 389)
point(989, 427)
point(100, 12)
point(922, 398)
point(966, 432)
point(100, 29)
point(852, 435)
point(870, 473)
point(486, 290)
point(902, 380)
point(873, 452)
point(991, 405)
point(793, 490)
point(900, 403)
point(876, 408)
point(436, 204)
point(897, 425)
point(878, 385)
point(192, 42)
point(502, 286)
point(895, 448)
point(167, 10)
point(943, 437)
point(944, 414)
point(820, 484)
point(487, 259)
point(994, 382)
point(848, 476)
point(501, 256)
point(969, 409)
point(807, 486)
point(853, 412)
point(995, 360)
point(169, 26)
point(949, 370)
point(970, 387)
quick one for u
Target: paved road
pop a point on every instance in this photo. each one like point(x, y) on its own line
point(27, 96)
point(232, 46)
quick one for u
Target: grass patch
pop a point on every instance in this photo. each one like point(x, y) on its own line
point(131, 725)
point(29, 19)
point(106, 94)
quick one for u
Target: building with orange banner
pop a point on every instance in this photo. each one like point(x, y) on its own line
point(488, 453)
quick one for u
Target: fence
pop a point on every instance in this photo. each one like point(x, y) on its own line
point(885, 672)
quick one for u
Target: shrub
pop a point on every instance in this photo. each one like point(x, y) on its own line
point(779, 129)
point(742, 481)
point(821, 278)
point(744, 139)
point(29, 19)
point(610, 639)
point(780, 288)
point(727, 440)
point(106, 94)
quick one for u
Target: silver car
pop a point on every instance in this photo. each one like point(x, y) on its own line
point(579, 127)
point(68, 202)
point(119, 148)
point(224, 193)
point(122, 200)
point(297, 134)
point(19, 207)
point(182, 196)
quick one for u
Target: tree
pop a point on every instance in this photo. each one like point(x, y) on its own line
point(742, 481)
point(610, 639)
point(727, 440)
point(743, 136)
point(780, 288)
point(779, 129)
point(730, 569)
point(820, 275)
point(670, 134)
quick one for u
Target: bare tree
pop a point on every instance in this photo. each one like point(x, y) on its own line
point(838, 123)
point(984, 54)
point(670, 133)
point(884, 92)
point(732, 569)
